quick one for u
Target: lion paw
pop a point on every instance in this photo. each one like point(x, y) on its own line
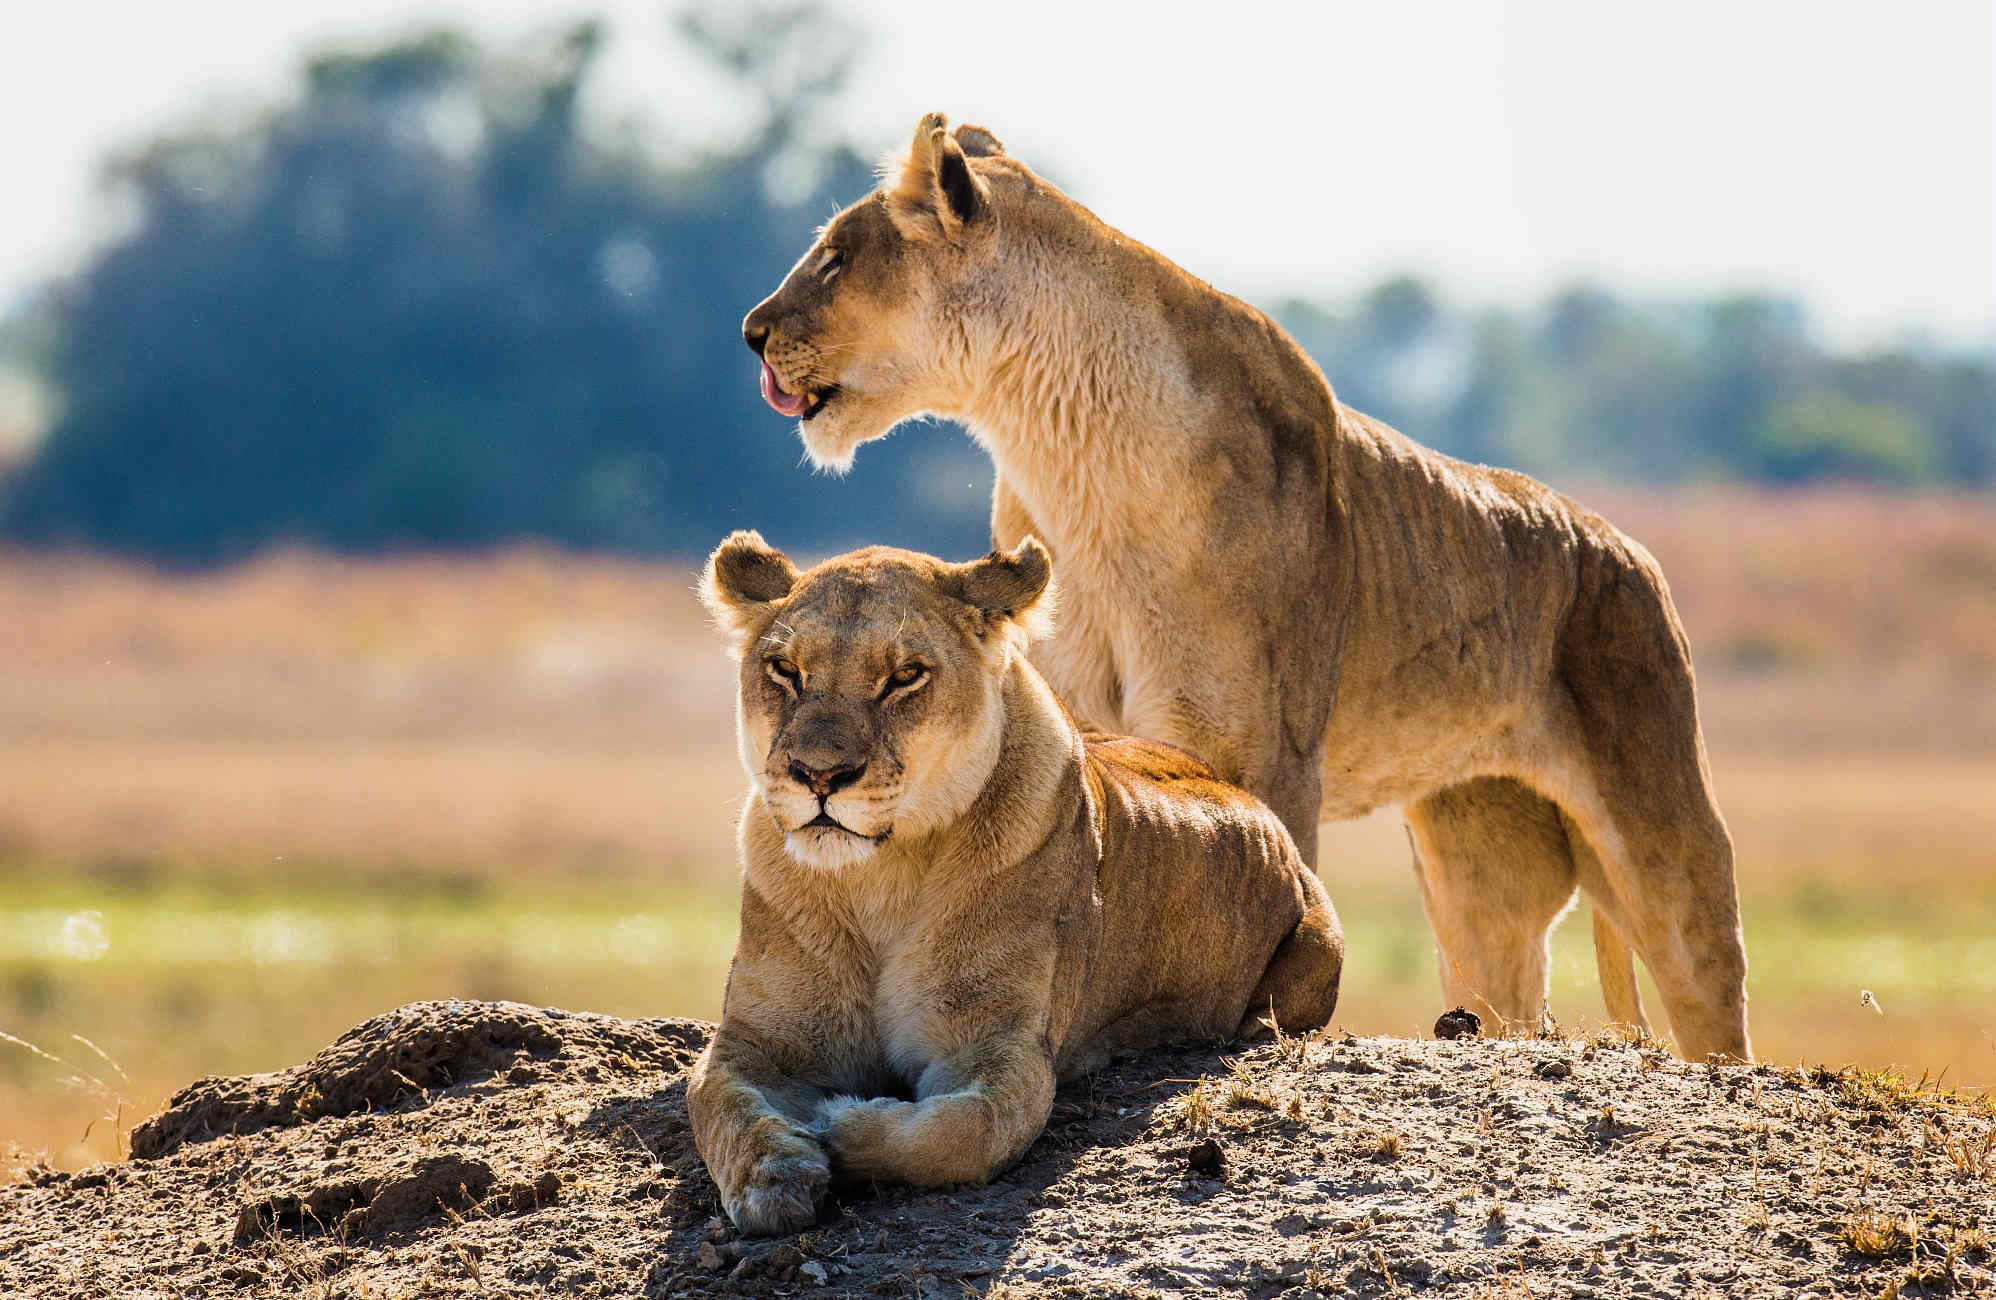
point(782, 1192)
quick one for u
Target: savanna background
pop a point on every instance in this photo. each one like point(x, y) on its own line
point(361, 431)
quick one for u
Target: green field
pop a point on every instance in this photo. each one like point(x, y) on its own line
point(176, 982)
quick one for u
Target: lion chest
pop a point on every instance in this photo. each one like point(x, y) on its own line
point(906, 1017)
point(918, 999)
point(943, 987)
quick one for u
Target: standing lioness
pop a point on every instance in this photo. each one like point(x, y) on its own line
point(951, 898)
point(1329, 614)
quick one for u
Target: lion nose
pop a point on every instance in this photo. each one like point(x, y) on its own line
point(825, 781)
point(755, 334)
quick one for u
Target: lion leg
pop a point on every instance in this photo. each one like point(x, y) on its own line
point(1613, 957)
point(1495, 873)
point(974, 1113)
point(1300, 987)
point(1616, 962)
point(1011, 522)
point(1631, 767)
point(748, 1123)
point(1666, 885)
point(1294, 793)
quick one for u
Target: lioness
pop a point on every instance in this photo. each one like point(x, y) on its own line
point(1332, 616)
point(952, 898)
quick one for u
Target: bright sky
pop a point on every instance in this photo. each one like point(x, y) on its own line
point(1842, 151)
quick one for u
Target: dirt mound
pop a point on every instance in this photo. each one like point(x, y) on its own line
point(401, 1055)
point(458, 1148)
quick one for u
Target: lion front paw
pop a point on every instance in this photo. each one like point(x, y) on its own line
point(782, 1191)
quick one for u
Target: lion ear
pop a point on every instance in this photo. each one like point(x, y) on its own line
point(744, 577)
point(978, 142)
point(1009, 587)
point(936, 192)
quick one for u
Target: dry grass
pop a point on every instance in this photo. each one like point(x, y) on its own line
point(1899, 582)
point(1877, 1236)
point(326, 734)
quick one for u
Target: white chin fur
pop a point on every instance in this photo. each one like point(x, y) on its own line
point(825, 849)
point(826, 455)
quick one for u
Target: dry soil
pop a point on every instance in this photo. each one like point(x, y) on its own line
point(493, 1149)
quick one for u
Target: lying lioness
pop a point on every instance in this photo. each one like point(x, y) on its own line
point(952, 899)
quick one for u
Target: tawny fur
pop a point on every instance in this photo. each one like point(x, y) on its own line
point(1012, 902)
point(1331, 615)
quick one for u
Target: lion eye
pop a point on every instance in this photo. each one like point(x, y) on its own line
point(906, 677)
point(834, 262)
point(785, 673)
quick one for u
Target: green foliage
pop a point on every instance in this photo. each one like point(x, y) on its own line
point(424, 306)
point(1834, 435)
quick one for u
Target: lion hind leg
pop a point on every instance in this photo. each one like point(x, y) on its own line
point(1614, 958)
point(1496, 873)
point(1299, 990)
point(1617, 963)
point(1628, 766)
point(1666, 883)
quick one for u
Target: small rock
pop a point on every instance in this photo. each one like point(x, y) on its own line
point(250, 1224)
point(812, 1271)
point(1459, 1023)
point(784, 1256)
point(1557, 1068)
point(1206, 1158)
point(719, 1229)
point(709, 1257)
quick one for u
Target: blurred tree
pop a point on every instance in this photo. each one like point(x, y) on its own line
point(423, 307)
point(1592, 385)
point(1831, 435)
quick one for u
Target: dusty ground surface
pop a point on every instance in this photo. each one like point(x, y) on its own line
point(494, 1149)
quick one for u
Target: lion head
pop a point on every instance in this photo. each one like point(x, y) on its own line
point(871, 702)
point(869, 326)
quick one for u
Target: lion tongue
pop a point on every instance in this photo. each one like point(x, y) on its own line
point(779, 401)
